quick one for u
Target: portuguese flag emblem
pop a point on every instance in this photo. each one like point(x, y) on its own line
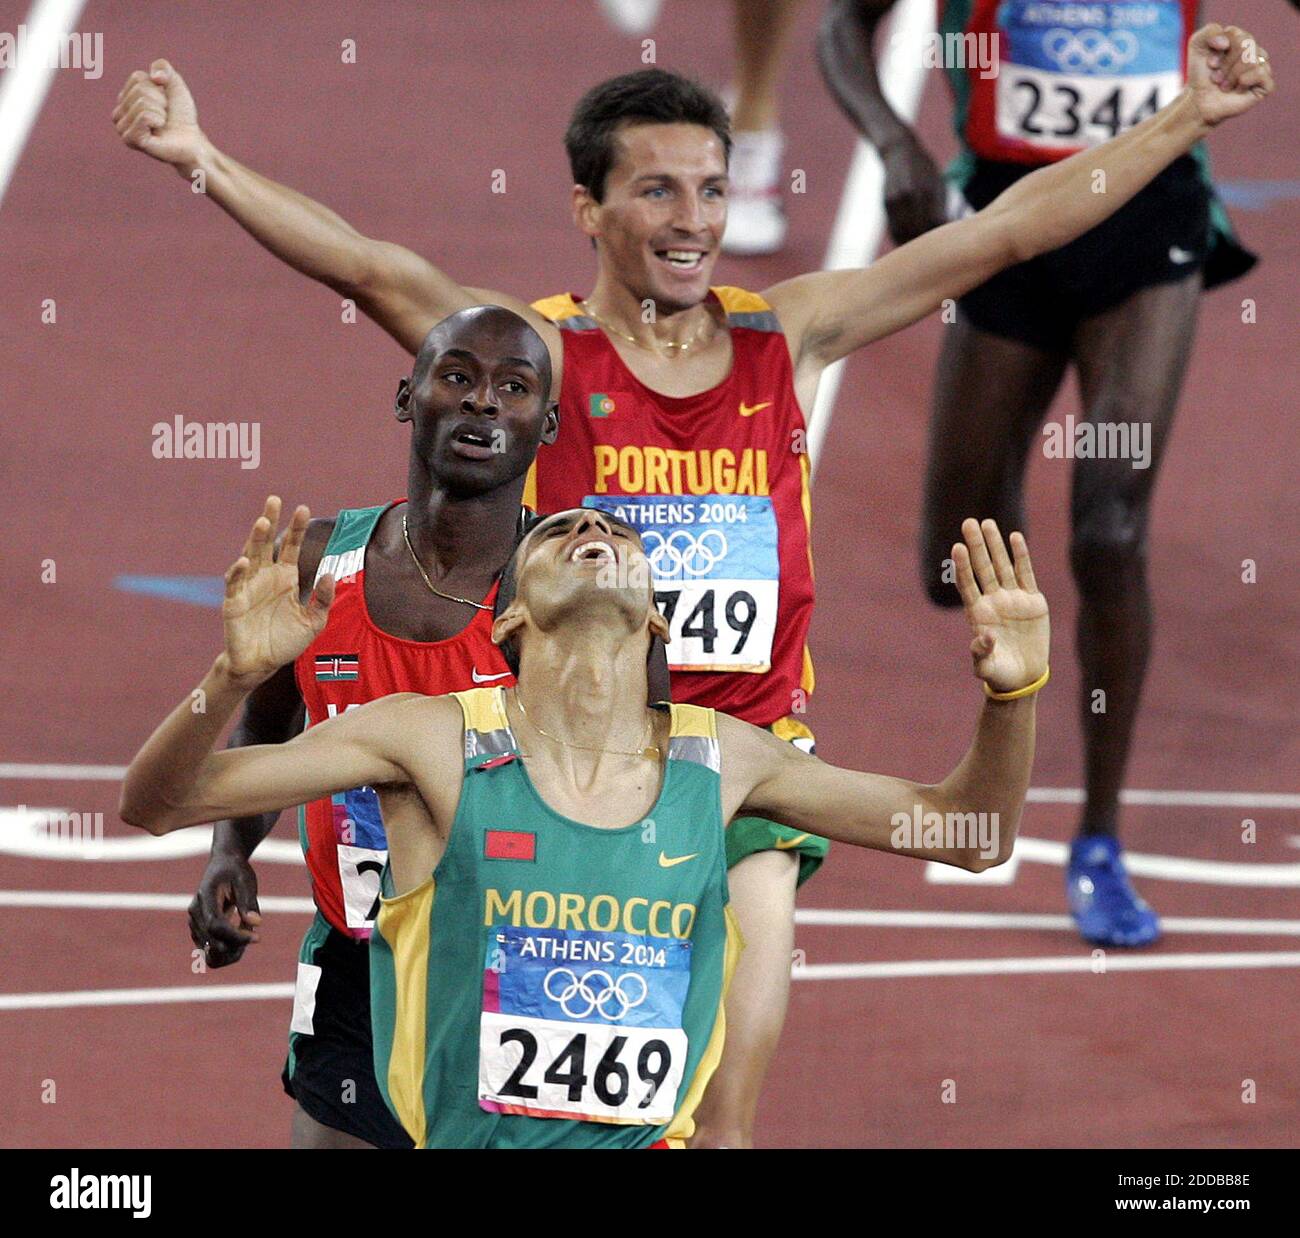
point(601, 404)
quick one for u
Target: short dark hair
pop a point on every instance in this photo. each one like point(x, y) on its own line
point(649, 96)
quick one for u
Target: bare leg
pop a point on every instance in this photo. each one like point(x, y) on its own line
point(308, 1133)
point(762, 897)
point(990, 393)
point(1132, 360)
point(756, 222)
point(762, 32)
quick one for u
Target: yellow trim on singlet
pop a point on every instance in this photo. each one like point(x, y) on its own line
point(530, 487)
point(682, 1126)
point(790, 729)
point(403, 922)
point(740, 301)
point(806, 677)
point(558, 307)
point(693, 722)
point(484, 709)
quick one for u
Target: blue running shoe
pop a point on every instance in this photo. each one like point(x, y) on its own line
point(1105, 906)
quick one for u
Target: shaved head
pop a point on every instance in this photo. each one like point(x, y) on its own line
point(464, 326)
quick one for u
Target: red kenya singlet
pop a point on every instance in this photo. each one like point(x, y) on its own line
point(352, 662)
point(718, 485)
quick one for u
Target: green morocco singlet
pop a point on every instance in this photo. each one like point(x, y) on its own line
point(556, 983)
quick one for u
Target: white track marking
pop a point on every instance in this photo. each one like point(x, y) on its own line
point(836, 917)
point(62, 773)
point(23, 87)
point(1114, 961)
point(100, 900)
point(832, 917)
point(860, 221)
point(1172, 799)
point(20, 772)
point(146, 997)
point(26, 832)
point(1157, 867)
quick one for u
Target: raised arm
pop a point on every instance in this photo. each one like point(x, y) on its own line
point(224, 914)
point(403, 292)
point(829, 314)
point(177, 780)
point(969, 819)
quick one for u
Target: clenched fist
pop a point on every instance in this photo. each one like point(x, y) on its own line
point(1227, 72)
point(155, 113)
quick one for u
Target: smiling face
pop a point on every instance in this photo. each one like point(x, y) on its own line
point(478, 399)
point(663, 212)
point(579, 562)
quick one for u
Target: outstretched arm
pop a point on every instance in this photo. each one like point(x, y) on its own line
point(829, 314)
point(177, 780)
point(971, 817)
point(403, 292)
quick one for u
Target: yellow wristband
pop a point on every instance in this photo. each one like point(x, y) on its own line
point(1028, 690)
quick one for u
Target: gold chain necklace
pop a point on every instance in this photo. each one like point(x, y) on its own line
point(451, 597)
point(631, 339)
point(650, 752)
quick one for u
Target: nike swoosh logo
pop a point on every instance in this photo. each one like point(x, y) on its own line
point(486, 678)
point(785, 844)
point(748, 410)
point(665, 862)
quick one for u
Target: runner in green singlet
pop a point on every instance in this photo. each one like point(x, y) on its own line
point(553, 950)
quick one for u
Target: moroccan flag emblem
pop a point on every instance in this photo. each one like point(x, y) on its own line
point(334, 666)
point(510, 845)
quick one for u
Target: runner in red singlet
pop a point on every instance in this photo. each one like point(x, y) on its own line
point(416, 580)
point(649, 153)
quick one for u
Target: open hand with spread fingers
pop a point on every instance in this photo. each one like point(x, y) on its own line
point(1007, 613)
point(266, 625)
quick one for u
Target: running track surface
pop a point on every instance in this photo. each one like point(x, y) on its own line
point(164, 309)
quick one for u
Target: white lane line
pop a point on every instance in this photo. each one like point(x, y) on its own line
point(813, 971)
point(1172, 799)
point(835, 917)
point(1139, 864)
point(24, 86)
point(146, 997)
point(97, 900)
point(47, 834)
point(860, 221)
point(1113, 961)
point(830, 917)
point(1175, 798)
point(62, 773)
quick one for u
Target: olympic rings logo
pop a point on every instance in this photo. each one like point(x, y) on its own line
point(1090, 51)
point(681, 552)
point(597, 991)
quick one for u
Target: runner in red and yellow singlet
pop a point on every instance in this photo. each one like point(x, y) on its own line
point(649, 155)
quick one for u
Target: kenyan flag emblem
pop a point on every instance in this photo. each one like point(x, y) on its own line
point(601, 404)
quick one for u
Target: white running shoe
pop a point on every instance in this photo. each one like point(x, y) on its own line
point(632, 16)
point(756, 222)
